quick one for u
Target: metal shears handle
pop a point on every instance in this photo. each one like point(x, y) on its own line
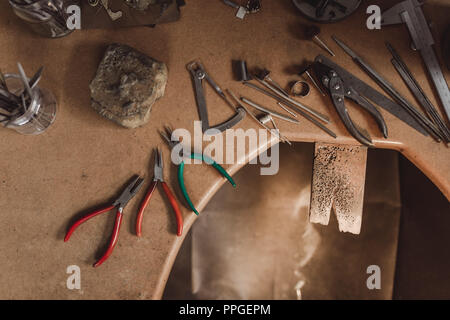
point(338, 94)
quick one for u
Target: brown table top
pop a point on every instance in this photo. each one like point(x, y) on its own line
point(83, 159)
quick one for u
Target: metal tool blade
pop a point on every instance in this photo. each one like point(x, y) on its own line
point(410, 13)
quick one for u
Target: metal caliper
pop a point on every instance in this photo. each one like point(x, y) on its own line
point(198, 74)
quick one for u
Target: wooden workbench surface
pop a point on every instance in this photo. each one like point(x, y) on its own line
point(83, 159)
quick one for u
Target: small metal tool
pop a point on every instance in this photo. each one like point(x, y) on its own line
point(266, 118)
point(339, 89)
point(265, 76)
point(275, 132)
point(313, 121)
point(198, 74)
point(312, 33)
point(36, 77)
point(271, 112)
point(305, 70)
point(9, 102)
point(410, 12)
point(270, 94)
point(284, 104)
point(241, 71)
point(241, 11)
point(389, 88)
point(291, 101)
point(418, 92)
point(14, 105)
point(445, 44)
point(25, 81)
point(3, 81)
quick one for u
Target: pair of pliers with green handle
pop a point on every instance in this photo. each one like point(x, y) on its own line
point(173, 142)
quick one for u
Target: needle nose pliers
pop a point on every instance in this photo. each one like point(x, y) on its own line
point(127, 194)
point(158, 177)
point(173, 142)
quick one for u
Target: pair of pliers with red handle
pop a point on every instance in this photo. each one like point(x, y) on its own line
point(158, 177)
point(127, 194)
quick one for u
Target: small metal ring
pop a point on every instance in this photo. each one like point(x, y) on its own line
point(93, 3)
point(300, 89)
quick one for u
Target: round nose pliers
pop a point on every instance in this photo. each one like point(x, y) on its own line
point(167, 136)
point(158, 177)
point(127, 194)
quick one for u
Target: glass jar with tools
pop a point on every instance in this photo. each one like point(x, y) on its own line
point(45, 17)
point(35, 112)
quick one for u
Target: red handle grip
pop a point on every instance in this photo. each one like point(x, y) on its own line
point(144, 204)
point(176, 208)
point(113, 240)
point(84, 219)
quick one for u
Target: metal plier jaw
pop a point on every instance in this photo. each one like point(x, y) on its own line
point(174, 144)
point(158, 167)
point(128, 194)
point(339, 90)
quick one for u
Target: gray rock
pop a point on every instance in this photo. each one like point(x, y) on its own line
point(126, 85)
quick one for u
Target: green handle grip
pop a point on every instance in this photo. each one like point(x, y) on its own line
point(183, 187)
point(209, 161)
point(217, 166)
